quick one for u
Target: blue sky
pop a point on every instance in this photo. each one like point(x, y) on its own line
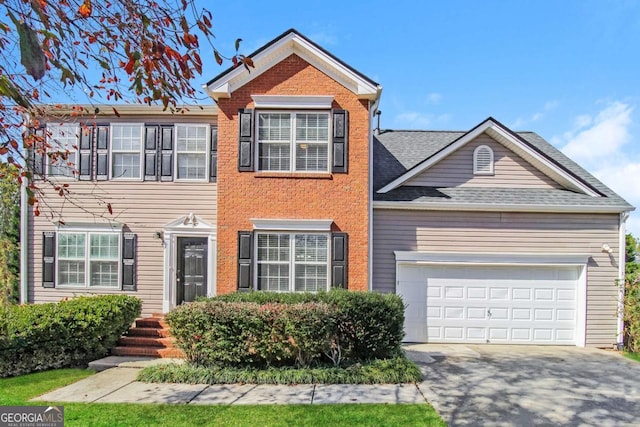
point(568, 70)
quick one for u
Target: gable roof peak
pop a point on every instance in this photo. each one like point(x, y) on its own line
point(288, 43)
point(513, 141)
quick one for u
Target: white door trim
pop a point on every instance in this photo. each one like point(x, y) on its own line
point(509, 259)
point(186, 226)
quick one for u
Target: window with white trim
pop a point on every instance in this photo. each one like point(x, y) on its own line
point(292, 262)
point(294, 142)
point(191, 152)
point(483, 160)
point(126, 151)
point(88, 259)
point(62, 154)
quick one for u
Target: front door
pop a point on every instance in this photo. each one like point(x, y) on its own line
point(191, 277)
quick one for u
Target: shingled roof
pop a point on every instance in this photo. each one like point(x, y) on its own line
point(395, 152)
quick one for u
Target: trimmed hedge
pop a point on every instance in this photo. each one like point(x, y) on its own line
point(69, 333)
point(262, 329)
point(389, 371)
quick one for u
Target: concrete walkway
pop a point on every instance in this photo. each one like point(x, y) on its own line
point(118, 384)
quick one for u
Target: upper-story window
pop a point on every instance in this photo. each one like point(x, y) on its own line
point(129, 151)
point(62, 158)
point(483, 160)
point(294, 142)
point(126, 150)
point(191, 151)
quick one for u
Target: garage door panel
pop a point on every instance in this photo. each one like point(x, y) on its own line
point(476, 293)
point(497, 304)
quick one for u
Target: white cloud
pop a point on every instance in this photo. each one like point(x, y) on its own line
point(599, 144)
point(599, 137)
point(538, 115)
point(414, 120)
point(434, 98)
point(417, 120)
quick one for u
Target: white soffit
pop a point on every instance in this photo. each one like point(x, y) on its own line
point(300, 102)
point(292, 224)
point(503, 136)
point(289, 44)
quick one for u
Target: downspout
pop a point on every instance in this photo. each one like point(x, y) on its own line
point(24, 238)
point(373, 107)
point(622, 244)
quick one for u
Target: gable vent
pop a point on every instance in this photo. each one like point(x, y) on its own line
point(483, 160)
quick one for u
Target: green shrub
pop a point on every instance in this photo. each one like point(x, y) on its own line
point(232, 330)
point(389, 371)
point(69, 333)
point(370, 325)
point(249, 334)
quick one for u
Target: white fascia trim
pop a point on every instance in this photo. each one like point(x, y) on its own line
point(434, 159)
point(500, 134)
point(287, 45)
point(549, 167)
point(491, 207)
point(490, 258)
point(299, 102)
point(292, 224)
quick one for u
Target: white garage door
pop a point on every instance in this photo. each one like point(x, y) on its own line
point(489, 304)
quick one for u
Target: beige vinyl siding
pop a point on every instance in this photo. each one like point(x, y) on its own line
point(143, 207)
point(456, 170)
point(495, 232)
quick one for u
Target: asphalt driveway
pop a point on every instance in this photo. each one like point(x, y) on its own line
point(529, 385)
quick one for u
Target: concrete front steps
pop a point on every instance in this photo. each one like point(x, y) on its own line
point(148, 338)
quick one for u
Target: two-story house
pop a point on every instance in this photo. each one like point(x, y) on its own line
point(489, 235)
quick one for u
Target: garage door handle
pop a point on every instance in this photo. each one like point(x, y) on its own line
point(489, 313)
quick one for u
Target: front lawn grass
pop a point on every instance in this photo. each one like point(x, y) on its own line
point(632, 356)
point(18, 390)
point(387, 371)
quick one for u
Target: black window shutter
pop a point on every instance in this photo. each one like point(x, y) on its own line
point(151, 153)
point(340, 141)
point(102, 153)
point(166, 149)
point(129, 262)
point(245, 140)
point(48, 259)
point(213, 162)
point(85, 151)
point(245, 261)
point(38, 152)
point(339, 259)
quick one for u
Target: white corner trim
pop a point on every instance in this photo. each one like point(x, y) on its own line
point(292, 224)
point(300, 102)
point(505, 138)
point(490, 258)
